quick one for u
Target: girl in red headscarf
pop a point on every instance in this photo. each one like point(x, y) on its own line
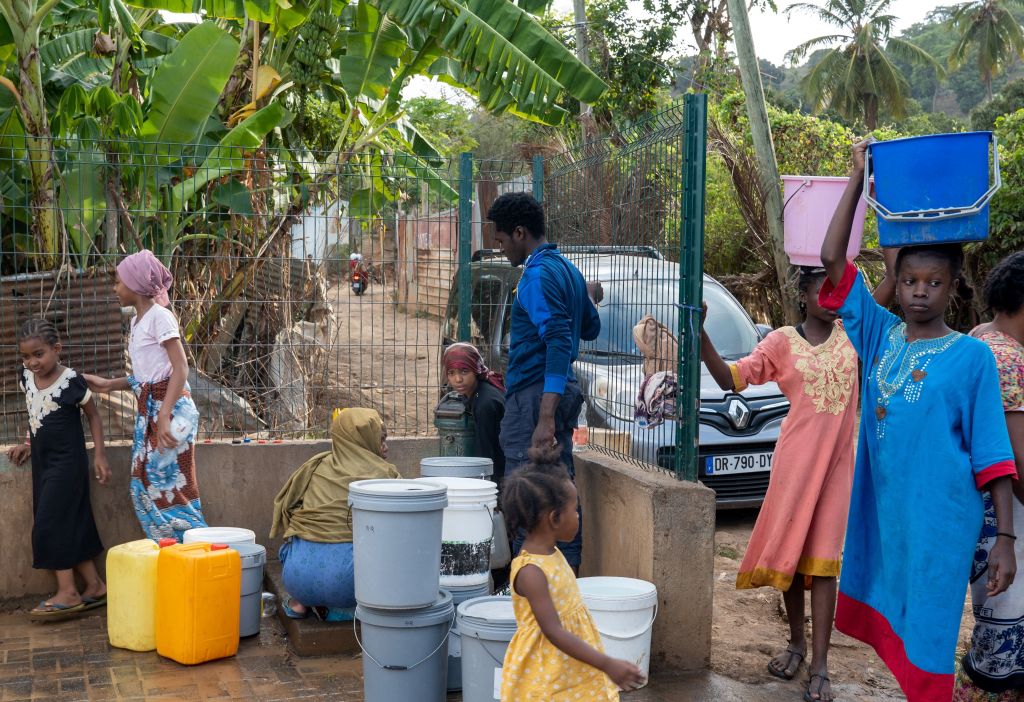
point(484, 391)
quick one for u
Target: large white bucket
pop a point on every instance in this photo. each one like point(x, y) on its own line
point(467, 530)
point(460, 595)
point(219, 535)
point(396, 542)
point(486, 626)
point(624, 610)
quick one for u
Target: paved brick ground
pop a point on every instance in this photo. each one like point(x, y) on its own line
point(72, 661)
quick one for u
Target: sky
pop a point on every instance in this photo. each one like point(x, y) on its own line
point(774, 35)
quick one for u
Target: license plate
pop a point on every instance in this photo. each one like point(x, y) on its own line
point(739, 463)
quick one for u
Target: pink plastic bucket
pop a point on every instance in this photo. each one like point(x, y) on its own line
point(810, 203)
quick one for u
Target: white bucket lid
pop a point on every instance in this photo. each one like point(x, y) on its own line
point(604, 592)
point(219, 535)
point(492, 618)
point(465, 466)
point(397, 495)
point(457, 485)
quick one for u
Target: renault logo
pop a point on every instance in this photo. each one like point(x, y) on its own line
point(738, 412)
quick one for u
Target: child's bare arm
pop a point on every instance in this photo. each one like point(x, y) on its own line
point(837, 237)
point(105, 385)
point(179, 376)
point(532, 584)
point(718, 368)
point(100, 453)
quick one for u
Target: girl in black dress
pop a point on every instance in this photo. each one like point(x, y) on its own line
point(64, 537)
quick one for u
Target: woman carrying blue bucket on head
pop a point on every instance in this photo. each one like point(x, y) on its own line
point(932, 436)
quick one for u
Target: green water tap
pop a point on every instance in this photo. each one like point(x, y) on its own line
point(454, 424)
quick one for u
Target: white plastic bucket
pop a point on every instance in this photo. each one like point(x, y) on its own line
point(486, 626)
point(219, 535)
point(460, 595)
point(405, 652)
point(467, 532)
point(396, 542)
point(457, 467)
point(624, 610)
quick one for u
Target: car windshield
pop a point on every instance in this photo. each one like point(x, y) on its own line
point(627, 301)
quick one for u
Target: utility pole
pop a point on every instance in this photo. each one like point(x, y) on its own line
point(764, 150)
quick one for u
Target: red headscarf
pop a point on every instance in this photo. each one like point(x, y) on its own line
point(464, 356)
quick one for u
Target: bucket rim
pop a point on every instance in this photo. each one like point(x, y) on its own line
point(921, 137)
point(484, 627)
point(460, 484)
point(644, 594)
point(817, 179)
point(440, 612)
point(461, 461)
point(419, 496)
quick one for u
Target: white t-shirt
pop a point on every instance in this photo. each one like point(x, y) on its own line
point(150, 362)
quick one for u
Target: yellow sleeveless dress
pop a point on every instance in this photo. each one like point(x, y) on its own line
point(534, 669)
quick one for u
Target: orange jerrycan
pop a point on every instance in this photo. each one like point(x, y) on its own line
point(198, 589)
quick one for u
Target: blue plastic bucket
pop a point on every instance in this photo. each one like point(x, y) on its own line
point(932, 189)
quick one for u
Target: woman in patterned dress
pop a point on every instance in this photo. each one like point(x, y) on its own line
point(992, 670)
point(798, 537)
point(163, 485)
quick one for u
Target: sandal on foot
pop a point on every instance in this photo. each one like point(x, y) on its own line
point(821, 685)
point(789, 661)
point(286, 606)
point(94, 602)
point(51, 611)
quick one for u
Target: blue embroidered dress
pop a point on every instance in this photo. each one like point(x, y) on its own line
point(932, 434)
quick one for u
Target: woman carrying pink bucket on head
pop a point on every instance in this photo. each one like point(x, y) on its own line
point(163, 484)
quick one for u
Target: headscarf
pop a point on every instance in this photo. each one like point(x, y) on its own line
point(143, 273)
point(313, 504)
point(464, 356)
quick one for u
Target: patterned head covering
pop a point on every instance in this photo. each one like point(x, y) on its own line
point(464, 356)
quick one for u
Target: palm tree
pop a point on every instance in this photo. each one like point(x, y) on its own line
point(858, 73)
point(990, 26)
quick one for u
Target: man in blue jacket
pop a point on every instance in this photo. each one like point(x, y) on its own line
point(551, 312)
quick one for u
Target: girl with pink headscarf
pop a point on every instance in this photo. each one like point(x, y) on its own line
point(163, 485)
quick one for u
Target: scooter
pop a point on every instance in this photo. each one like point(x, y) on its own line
point(360, 278)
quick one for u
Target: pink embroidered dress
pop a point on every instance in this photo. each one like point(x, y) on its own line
point(803, 519)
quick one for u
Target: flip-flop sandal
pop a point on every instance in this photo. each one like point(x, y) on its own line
point(53, 612)
point(789, 661)
point(94, 602)
point(824, 679)
point(286, 606)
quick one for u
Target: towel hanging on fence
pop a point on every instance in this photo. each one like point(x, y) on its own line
point(656, 400)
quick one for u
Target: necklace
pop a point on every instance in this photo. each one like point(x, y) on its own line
point(910, 362)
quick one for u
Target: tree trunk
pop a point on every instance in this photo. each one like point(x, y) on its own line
point(46, 219)
point(871, 112)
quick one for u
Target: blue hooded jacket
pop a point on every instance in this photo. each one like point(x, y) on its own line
point(551, 312)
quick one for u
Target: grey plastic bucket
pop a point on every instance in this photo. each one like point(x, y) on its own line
point(254, 558)
point(457, 467)
point(396, 542)
point(486, 626)
point(405, 652)
point(460, 595)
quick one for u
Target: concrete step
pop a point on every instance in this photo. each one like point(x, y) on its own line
point(310, 636)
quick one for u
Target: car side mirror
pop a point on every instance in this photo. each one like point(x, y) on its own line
point(763, 330)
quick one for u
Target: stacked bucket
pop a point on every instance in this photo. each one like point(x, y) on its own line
point(403, 614)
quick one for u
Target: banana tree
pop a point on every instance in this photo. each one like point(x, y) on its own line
point(22, 21)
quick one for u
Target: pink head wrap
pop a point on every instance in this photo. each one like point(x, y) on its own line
point(143, 273)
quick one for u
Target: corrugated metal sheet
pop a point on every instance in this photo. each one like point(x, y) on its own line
point(81, 305)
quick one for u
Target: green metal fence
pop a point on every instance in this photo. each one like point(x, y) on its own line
point(260, 242)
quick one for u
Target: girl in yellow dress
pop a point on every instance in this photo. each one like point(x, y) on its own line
point(556, 652)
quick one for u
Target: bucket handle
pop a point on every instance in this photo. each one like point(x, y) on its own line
point(355, 632)
point(484, 647)
point(627, 637)
point(924, 215)
point(796, 192)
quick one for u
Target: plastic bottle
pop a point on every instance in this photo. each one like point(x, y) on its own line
point(581, 434)
point(268, 605)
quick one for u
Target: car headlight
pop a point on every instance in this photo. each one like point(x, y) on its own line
point(613, 397)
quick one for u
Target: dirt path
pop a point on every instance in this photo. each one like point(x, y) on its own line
point(750, 627)
point(385, 359)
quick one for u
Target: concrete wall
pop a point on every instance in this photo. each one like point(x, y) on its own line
point(647, 525)
point(637, 524)
point(237, 483)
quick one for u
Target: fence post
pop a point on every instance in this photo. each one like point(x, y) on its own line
point(465, 274)
point(691, 283)
point(538, 178)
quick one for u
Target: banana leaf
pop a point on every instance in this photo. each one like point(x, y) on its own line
point(374, 48)
point(186, 88)
point(82, 199)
